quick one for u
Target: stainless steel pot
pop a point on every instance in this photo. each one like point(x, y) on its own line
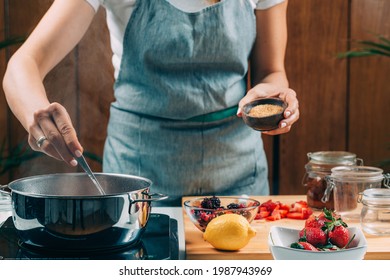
point(66, 211)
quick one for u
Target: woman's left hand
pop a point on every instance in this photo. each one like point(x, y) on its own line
point(265, 90)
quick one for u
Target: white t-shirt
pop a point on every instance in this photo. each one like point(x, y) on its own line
point(119, 12)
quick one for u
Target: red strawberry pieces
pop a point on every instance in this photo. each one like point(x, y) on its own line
point(304, 246)
point(275, 210)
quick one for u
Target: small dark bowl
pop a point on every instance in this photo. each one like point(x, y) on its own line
point(265, 123)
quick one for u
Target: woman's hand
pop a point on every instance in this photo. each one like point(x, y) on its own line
point(52, 133)
point(58, 32)
point(265, 90)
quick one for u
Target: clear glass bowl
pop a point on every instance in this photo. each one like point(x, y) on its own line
point(200, 216)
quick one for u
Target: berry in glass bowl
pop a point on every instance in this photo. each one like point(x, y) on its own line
point(202, 210)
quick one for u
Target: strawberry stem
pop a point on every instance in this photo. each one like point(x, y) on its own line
point(349, 242)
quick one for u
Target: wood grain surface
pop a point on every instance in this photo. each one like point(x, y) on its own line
point(378, 248)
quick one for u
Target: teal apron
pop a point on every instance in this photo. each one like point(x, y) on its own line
point(181, 78)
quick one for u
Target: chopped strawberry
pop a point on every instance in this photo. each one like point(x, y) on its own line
point(273, 218)
point(262, 215)
point(263, 209)
point(269, 204)
point(303, 245)
point(297, 206)
point(206, 217)
point(283, 213)
point(306, 212)
point(284, 207)
point(275, 215)
point(298, 210)
point(295, 216)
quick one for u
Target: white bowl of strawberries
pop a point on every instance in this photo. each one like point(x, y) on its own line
point(324, 237)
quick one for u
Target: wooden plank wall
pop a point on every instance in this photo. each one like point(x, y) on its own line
point(369, 92)
point(317, 31)
point(343, 102)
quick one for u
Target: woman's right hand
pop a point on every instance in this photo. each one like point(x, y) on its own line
point(48, 124)
point(52, 133)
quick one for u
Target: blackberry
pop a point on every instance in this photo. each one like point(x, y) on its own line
point(233, 206)
point(211, 202)
point(206, 203)
point(215, 202)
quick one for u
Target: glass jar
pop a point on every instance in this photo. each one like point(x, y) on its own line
point(5, 206)
point(375, 213)
point(320, 165)
point(347, 184)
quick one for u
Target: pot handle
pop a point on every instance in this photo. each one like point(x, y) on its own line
point(5, 190)
point(159, 196)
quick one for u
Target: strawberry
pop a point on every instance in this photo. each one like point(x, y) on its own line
point(205, 217)
point(275, 215)
point(316, 221)
point(284, 207)
point(314, 236)
point(262, 214)
point(275, 210)
point(263, 209)
point(297, 206)
point(283, 213)
point(303, 245)
point(304, 214)
point(269, 205)
point(295, 215)
point(339, 236)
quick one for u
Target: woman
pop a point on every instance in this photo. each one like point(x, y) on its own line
point(180, 69)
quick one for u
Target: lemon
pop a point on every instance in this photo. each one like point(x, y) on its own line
point(229, 232)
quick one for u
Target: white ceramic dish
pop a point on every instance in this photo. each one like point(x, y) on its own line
point(280, 239)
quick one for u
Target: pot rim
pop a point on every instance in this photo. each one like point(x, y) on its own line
point(77, 174)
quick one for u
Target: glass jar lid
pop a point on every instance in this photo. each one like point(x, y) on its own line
point(332, 157)
point(324, 161)
point(376, 196)
point(357, 173)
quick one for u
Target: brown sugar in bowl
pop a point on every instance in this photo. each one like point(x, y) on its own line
point(264, 114)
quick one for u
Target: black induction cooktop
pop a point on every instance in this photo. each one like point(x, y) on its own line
point(158, 242)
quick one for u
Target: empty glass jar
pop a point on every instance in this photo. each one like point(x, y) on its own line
point(347, 184)
point(375, 213)
point(319, 166)
point(5, 207)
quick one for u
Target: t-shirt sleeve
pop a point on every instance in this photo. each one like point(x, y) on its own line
point(94, 3)
point(265, 4)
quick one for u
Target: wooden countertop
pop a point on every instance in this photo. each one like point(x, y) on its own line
point(378, 248)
